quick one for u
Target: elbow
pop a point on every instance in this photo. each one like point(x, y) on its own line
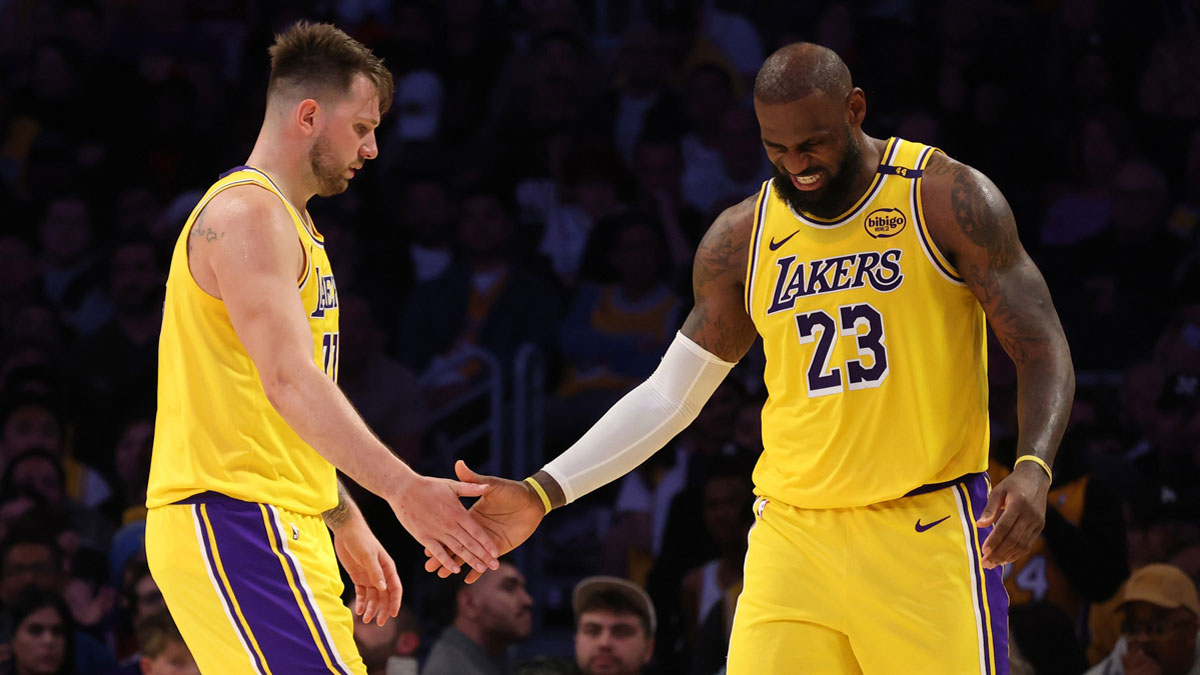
point(1068, 367)
point(280, 383)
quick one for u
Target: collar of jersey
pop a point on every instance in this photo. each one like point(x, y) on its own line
point(889, 153)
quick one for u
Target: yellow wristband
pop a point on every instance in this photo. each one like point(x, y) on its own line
point(541, 492)
point(1038, 460)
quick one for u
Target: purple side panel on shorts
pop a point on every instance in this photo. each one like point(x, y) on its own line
point(278, 536)
point(225, 598)
point(260, 585)
point(997, 596)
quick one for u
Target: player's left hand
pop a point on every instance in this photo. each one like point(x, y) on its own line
point(1017, 506)
point(377, 588)
point(510, 511)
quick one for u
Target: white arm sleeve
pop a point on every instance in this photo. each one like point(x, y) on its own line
point(642, 421)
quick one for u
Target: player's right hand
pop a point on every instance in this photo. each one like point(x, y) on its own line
point(1016, 508)
point(429, 508)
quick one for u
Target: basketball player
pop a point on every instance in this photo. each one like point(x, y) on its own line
point(251, 425)
point(868, 267)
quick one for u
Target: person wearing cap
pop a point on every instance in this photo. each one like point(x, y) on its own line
point(614, 626)
point(1159, 626)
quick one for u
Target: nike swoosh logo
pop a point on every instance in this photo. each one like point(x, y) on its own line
point(922, 528)
point(773, 245)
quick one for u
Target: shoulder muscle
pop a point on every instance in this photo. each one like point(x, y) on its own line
point(718, 322)
point(245, 229)
point(965, 212)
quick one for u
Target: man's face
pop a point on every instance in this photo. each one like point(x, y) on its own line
point(376, 643)
point(610, 643)
point(40, 642)
point(814, 151)
point(31, 426)
point(727, 509)
point(38, 475)
point(483, 226)
point(636, 256)
point(66, 231)
point(659, 167)
point(499, 604)
point(131, 457)
point(134, 276)
point(556, 63)
point(28, 564)
point(1164, 636)
point(427, 212)
point(346, 138)
point(175, 659)
point(148, 598)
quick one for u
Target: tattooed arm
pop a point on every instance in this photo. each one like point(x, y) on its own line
point(973, 225)
point(718, 322)
point(377, 587)
point(345, 510)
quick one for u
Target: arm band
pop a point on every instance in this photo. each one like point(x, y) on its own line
point(642, 421)
point(1037, 460)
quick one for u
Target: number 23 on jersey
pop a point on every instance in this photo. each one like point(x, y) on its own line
point(859, 322)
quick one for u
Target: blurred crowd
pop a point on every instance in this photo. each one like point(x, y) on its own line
point(544, 176)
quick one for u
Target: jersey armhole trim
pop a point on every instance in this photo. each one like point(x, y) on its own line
point(303, 280)
point(760, 219)
point(932, 253)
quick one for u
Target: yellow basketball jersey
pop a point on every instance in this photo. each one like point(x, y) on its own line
point(876, 367)
point(215, 428)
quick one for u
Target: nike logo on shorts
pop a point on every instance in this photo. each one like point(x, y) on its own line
point(922, 528)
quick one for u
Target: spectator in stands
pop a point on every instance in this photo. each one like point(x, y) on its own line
point(428, 216)
point(30, 560)
point(1159, 626)
point(70, 266)
point(385, 392)
point(18, 276)
point(658, 166)
point(708, 96)
point(484, 300)
point(131, 469)
point(614, 626)
point(619, 323)
point(119, 361)
point(490, 615)
point(389, 649)
point(30, 421)
point(42, 637)
point(163, 649)
point(709, 593)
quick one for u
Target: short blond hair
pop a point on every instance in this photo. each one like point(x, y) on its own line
point(155, 632)
point(319, 58)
